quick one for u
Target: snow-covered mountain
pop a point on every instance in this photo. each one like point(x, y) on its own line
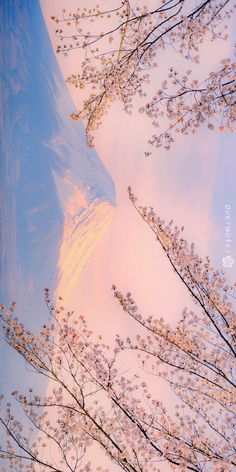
point(57, 197)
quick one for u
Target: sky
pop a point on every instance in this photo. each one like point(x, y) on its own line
point(102, 239)
point(192, 183)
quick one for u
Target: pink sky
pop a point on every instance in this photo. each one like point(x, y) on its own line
point(178, 184)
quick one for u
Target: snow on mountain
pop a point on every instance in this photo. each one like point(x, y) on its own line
point(57, 197)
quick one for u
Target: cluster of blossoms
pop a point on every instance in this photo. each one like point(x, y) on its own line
point(193, 103)
point(93, 399)
point(116, 61)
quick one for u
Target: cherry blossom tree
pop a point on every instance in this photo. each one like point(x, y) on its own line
point(94, 398)
point(117, 62)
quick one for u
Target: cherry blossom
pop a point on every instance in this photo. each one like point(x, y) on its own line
point(93, 396)
point(117, 62)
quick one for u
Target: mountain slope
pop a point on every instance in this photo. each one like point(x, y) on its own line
point(45, 165)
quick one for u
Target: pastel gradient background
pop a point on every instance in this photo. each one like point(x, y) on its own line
point(192, 183)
